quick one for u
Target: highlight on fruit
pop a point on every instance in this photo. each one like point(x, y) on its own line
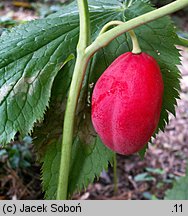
point(127, 101)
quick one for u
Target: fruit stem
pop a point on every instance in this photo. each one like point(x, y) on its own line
point(136, 46)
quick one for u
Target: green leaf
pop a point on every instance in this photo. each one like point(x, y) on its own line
point(142, 152)
point(87, 163)
point(143, 177)
point(179, 190)
point(85, 166)
point(30, 57)
point(155, 170)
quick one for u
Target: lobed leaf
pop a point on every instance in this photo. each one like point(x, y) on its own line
point(30, 57)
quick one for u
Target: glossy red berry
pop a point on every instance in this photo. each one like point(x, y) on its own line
point(126, 102)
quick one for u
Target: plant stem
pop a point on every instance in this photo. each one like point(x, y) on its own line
point(109, 24)
point(75, 87)
point(105, 38)
point(183, 42)
point(85, 35)
point(136, 47)
point(115, 175)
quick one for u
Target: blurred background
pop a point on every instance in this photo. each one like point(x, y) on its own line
point(165, 161)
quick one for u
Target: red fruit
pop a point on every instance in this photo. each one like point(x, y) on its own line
point(126, 102)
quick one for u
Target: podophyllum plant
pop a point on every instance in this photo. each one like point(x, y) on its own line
point(48, 68)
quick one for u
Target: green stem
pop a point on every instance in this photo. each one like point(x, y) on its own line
point(136, 46)
point(78, 75)
point(115, 175)
point(85, 35)
point(183, 42)
point(105, 38)
point(109, 24)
